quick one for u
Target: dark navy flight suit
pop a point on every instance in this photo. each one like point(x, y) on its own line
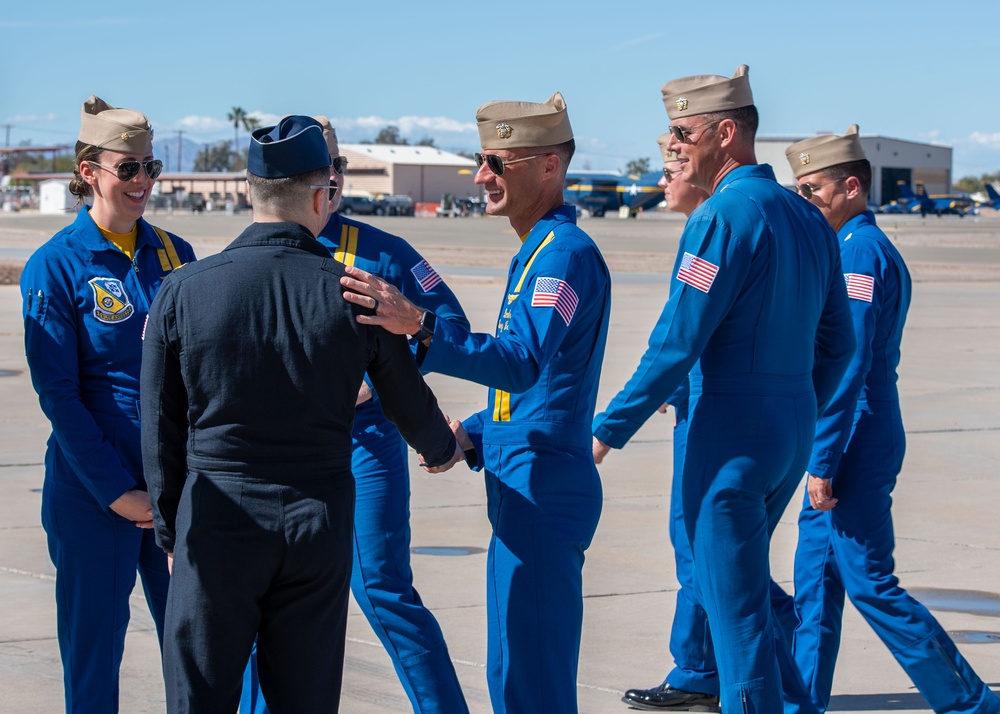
point(251, 368)
point(859, 445)
point(533, 442)
point(85, 303)
point(382, 581)
point(758, 315)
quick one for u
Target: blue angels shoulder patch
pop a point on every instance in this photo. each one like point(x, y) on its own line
point(111, 304)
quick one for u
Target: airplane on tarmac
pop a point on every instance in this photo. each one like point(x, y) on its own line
point(994, 201)
point(598, 192)
point(938, 204)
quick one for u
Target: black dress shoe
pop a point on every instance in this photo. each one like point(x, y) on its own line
point(667, 699)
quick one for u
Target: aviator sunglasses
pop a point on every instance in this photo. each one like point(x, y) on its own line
point(808, 190)
point(340, 164)
point(680, 134)
point(497, 164)
point(128, 170)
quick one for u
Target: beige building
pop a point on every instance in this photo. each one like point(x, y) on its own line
point(424, 173)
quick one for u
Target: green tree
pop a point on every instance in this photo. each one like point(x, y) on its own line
point(637, 166)
point(390, 135)
point(426, 141)
point(216, 157)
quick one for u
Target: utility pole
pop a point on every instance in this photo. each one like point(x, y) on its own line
point(5, 161)
point(180, 135)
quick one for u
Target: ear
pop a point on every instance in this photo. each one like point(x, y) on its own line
point(853, 187)
point(320, 198)
point(88, 173)
point(727, 132)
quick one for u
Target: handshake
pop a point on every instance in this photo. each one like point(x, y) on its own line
point(463, 444)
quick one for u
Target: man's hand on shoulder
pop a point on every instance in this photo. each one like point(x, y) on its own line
point(393, 312)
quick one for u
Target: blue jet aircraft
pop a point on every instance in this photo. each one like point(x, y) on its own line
point(994, 201)
point(939, 204)
point(600, 192)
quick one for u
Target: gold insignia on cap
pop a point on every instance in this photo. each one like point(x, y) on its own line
point(124, 136)
point(682, 104)
point(804, 158)
point(503, 130)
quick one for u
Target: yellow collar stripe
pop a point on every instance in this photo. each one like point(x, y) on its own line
point(348, 249)
point(169, 260)
point(524, 273)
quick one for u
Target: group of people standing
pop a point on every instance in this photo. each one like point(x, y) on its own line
point(281, 379)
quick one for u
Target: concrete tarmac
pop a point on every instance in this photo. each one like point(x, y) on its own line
point(947, 530)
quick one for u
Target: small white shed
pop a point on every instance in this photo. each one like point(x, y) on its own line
point(54, 196)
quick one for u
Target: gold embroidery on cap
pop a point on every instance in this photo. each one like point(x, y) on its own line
point(682, 104)
point(804, 159)
point(503, 130)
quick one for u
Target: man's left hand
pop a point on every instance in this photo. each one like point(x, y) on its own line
point(820, 493)
point(393, 312)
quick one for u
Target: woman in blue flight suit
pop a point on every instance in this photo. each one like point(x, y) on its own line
point(382, 581)
point(86, 295)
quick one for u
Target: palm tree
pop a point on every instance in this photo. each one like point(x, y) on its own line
point(237, 116)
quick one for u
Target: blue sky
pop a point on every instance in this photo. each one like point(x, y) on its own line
point(921, 71)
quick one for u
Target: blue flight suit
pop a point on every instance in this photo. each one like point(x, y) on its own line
point(85, 305)
point(758, 316)
point(859, 445)
point(533, 442)
point(382, 581)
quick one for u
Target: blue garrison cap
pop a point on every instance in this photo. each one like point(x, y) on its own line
point(295, 146)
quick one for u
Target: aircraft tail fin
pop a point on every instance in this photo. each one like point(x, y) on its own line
point(994, 196)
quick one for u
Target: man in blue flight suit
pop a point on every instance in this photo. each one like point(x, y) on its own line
point(381, 580)
point(758, 315)
point(252, 365)
point(533, 439)
point(845, 527)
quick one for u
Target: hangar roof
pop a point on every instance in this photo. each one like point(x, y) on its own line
point(405, 154)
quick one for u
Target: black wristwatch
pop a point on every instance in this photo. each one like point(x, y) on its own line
point(427, 322)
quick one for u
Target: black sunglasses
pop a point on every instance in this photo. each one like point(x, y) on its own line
point(128, 170)
point(497, 164)
point(332, 188)
point(340, 164)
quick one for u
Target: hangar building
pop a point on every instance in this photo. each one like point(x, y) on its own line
point(892, 160)
point(424, 173)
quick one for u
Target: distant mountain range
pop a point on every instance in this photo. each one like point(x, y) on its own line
point(166, 149)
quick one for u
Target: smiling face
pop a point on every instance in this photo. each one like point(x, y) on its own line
point(117, 204)
point(832, 198)
point(681, 197)
point(519, 192)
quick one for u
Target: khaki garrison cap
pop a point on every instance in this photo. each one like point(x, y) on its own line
point(668, 155)
point(512, 125)
point(821, 152)
point(330, 134)
point(112, 129)
point(705, 93)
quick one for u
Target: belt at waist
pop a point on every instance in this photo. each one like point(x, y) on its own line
point(751, 383)
point(278, 471)
point(537, 432)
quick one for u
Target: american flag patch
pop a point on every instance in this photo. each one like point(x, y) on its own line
point(697, 273)
point(860, 287)
point(553, 292)
point(425, 275)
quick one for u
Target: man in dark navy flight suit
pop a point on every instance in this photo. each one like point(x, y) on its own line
point(845, 528)
point(251, 368)
point(758, 316)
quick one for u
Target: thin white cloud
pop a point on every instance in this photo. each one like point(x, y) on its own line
point(986, 139)
point(71, 22)
point(202, 124)
point(637, 41)
point(31, 118)
point(409, 125)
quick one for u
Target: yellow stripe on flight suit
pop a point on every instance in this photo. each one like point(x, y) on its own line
point(169, 260)
point(501, 399)
point(348, 249)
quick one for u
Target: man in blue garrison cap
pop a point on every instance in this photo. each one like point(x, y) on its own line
point(252, 363)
